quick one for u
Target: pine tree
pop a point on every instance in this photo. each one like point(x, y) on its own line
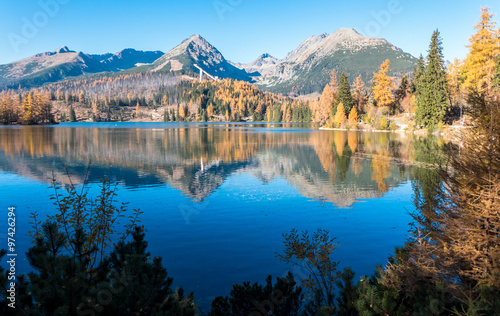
point(72, 114)
point(344, 94)
point(382, 85)
point(479, 66)
point(255, 299)
point(432, 97)
point(402, 90)
point(418, 75)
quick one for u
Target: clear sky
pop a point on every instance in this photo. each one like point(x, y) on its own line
point(240, 29)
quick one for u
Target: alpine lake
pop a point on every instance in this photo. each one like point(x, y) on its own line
point(217, 197)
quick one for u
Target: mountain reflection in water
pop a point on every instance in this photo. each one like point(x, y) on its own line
point(332, 166)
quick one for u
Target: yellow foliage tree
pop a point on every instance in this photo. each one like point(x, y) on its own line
point(94, 108)
point(382, 85)
point(453, 75)
point(358, 94)
point(28, 109)
point(353, 117)
point(479, 65)
point(182, 112)
point(210, 110)
point(340, 117)
point(324, 106)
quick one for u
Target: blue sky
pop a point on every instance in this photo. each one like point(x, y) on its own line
point(240, 29)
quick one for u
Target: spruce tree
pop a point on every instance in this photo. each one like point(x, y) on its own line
point(344, 94)
point(432, 97)
point(418, 74)
point(403, 89)
point(72, 115)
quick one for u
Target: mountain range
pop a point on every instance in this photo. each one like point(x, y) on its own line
point(304, 70)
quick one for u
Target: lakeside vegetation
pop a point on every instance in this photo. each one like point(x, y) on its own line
point(449, 265)
point(430, 97)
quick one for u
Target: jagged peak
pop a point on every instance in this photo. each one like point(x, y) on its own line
point(197, 38)
point(127, 50)
point(62, 50)
point(266, 55)
point(346, 31)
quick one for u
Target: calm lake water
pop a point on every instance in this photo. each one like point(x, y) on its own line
point(218, 197)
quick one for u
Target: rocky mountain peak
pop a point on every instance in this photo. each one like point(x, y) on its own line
point(266, 55)
point(62, 50)
point(345, 31)
point(324, 44)
point(196, 39)
point(197, 48)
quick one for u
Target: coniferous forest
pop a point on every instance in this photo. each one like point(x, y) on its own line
point(430, 97)
point(91, 257)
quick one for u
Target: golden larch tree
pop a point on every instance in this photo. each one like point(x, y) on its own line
point(353, 117)
point(453, 75)
point(28, 109)
point(358, 94)
point(340, 117)
point(382, 85)
point(325, 105)
point(479, 65)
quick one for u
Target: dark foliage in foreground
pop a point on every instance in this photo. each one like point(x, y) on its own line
point(129, 282)
point(282, 298)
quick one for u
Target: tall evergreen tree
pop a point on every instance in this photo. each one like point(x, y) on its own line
point(418, 75)
point(432, 97)
point(344, 94)
point(72, 114)
point(402, 91)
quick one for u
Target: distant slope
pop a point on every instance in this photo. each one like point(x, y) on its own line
point(64, 63)
point(304, 70)
point(196, 50)
point(307, 68)
point(129, 58)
